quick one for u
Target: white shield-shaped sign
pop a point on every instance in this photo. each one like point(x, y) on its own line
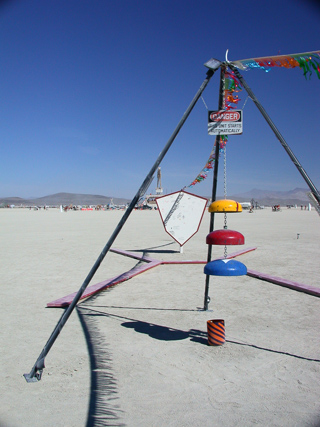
point(181, 214)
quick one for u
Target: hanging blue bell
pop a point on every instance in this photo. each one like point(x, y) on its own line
point(225, 267)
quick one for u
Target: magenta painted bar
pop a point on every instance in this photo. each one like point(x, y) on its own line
point(286, 283)
point(65, 301)
point(133, 255)
point(150, 263)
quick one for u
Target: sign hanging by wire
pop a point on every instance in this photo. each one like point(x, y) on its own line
point(225, 122)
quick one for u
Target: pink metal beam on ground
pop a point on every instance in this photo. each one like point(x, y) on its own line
point(286, 283)
point(151, 263)
point(133, 255)
point(233, 255)
point(91, 290)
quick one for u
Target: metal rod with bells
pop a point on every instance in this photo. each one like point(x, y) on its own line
point(225, 267)
point(221, 105)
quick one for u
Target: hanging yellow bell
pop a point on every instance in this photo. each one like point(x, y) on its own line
point(225, 206)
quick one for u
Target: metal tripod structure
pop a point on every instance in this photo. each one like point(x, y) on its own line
point(213, 65)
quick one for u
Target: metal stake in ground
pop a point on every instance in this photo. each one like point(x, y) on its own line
point(214, 186)
point(312, 187)
point(36, 371)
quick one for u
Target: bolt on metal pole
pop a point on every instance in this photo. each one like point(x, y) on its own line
point(294, 159)
point(214, 186)
point(36, 371)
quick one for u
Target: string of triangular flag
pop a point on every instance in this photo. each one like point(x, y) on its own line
point(231, 86)
point(307, 61)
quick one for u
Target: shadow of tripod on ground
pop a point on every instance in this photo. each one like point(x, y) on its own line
point(164, 333)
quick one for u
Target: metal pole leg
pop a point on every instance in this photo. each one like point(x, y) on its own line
point(214, 186)
point(36, 371)
point(312, 187)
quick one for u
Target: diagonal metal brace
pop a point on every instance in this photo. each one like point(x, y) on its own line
point(36, 371)
point(275, 130)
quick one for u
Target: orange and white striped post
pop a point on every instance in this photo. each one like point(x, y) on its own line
point(216, 334)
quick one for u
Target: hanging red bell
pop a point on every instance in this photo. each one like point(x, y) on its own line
point(225, 237)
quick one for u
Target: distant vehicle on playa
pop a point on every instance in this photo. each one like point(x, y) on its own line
point(246, 205)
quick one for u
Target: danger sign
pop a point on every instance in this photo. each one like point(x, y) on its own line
point(225, 122)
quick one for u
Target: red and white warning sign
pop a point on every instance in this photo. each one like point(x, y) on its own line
point(225, 122)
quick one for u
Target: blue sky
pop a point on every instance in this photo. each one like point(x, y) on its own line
point(91, 91)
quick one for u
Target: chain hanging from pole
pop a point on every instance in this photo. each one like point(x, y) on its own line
point(225, 171)
point(225, 192)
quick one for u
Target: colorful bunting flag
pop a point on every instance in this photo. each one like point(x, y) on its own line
point(307, 61)
point(231, 86)
point(208, 166)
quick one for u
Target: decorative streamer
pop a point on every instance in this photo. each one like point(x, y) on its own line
point(231, 86)
point(307, 61)
point(208, 166)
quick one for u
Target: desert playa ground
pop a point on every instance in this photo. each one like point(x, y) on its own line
point(137, 354)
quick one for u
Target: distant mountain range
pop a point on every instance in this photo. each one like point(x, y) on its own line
point(64, 199)
point(298, 196)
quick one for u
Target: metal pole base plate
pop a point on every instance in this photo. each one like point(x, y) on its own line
point(33, 378)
